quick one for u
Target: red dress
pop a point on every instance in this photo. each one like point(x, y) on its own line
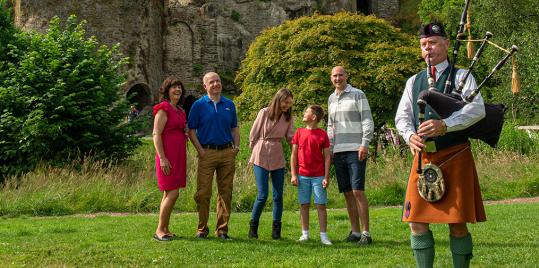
point(174, 142)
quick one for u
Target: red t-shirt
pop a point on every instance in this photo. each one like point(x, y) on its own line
point(311, 143)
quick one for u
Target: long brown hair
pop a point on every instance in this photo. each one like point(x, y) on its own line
point(170, 82)
point(274, 106)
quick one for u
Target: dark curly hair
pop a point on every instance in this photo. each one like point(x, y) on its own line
point(169, 83)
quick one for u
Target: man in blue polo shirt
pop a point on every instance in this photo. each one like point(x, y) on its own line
point(213, 130)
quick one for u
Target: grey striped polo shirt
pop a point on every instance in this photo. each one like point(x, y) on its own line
point(350, 123)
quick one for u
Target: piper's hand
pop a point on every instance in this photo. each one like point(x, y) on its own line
point(416, 143)
point(431, 128)
point(165, 165)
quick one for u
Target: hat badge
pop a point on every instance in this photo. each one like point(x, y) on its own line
point(435, 28)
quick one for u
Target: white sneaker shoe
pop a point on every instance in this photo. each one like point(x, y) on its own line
point(325, 241)
point(303, 238)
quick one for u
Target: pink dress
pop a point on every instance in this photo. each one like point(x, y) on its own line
point(174, 141)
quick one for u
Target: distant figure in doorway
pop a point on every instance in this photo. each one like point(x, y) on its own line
point(133, 113)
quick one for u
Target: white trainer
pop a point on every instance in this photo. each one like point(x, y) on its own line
point(303, 238)
point(325, 241)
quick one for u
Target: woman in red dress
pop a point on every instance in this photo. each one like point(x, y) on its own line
point(169, 139)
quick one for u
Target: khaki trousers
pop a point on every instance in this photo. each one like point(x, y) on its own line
point(221, 162)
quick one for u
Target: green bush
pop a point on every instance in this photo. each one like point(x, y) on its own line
point(513, 140)
point(6, 28)
point(235, 15)
point(61, 100)
point(299, 55)
point(7, 32)
point(511, 22)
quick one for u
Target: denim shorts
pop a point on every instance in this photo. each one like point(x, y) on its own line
point(350, 172)
point(308, 185)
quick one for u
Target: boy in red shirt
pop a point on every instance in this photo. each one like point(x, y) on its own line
point(310, 162)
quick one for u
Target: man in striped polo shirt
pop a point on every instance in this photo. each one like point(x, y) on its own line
point(350, 129)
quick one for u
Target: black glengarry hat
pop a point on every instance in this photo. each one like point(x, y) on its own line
point(432, 29)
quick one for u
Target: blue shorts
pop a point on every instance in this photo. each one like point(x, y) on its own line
point(308, 185)
point(350, 172)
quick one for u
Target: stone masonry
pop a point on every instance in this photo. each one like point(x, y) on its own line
point(185, 38)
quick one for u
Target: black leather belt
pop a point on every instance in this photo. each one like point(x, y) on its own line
point(216, 147)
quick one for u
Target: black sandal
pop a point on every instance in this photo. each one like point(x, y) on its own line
point(162, 238)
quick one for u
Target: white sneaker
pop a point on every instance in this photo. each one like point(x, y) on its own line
point(303, 238)
point(325, 241)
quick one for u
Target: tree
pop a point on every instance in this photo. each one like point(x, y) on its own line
point(61, 100)
point(511, 22)
point(299, 55)
point(7, 32)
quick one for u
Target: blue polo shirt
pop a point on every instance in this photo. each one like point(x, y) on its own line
point(213, 122)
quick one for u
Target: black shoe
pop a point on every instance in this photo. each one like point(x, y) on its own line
point(224, 236)
point(352, 238)
point(276, 230)
point(364, 240)
point(201, 235)
point(162, 238)
point(253, 229)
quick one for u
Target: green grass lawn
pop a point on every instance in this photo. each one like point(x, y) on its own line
point(97, 186)
point(508, 238)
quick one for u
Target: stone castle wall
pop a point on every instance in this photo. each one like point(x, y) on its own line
point(185, 38)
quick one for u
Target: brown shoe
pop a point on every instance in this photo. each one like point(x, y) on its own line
point(201, 235)
point(224, 236)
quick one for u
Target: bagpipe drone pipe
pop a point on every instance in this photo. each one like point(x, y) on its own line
point(444, 104)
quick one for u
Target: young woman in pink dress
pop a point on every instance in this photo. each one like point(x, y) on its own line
point(169, 139)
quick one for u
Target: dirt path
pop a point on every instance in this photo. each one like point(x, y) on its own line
point(516, 200)
point(493, 202)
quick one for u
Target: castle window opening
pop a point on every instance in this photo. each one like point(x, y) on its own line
point(363, 6)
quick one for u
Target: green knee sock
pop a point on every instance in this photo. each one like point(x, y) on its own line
point(461, 248)
point(423, 247)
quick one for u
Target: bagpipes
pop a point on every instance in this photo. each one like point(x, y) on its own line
point(444, 104)
point(431, 185)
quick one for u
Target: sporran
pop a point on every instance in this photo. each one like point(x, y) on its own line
point(431, 184)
